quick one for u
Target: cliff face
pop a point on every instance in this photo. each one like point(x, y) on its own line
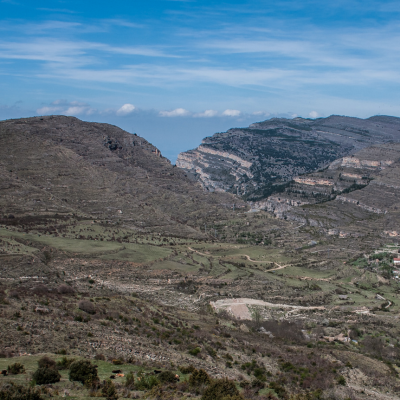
point(353, 196)
point(258, 161)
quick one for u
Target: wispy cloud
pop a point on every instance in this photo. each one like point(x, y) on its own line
point(57, 10)
point(178, 112)
point(249, 60)
point(123, 22)
point(65, 107)
point(206, 114)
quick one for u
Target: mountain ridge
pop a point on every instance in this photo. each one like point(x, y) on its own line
point(257, 161)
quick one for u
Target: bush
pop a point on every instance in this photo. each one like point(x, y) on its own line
point(41, 290)
point(100, 357)
point(12, 391)
point(83, 371)
point(129, 381)
point(15, 369)
point(108, 390)
point(341, 380)
point(278, 389)
point(220, 389)
point(87, 307)
point(167, 377)
point(186, 370)
point(65, 289)
point(46, 362)
point(145, 382)
point(65, 363)
point(45, 375)
point(195, 351)
point(198, 378)
point(117, 361)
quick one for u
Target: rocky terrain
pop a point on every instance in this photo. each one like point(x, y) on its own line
point(110, 254)
point(356, 195)
point(61, 165)
point(258, 161)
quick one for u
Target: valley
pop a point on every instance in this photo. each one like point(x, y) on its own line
point(109, 253)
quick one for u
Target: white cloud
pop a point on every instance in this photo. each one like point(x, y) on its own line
point(64, 107)
point(206, 114)
point(178, 112)
point(126, 109)
point(263, 113)
point(231, 113)
point(313, 114)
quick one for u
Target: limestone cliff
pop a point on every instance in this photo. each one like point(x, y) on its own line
point(260, 160)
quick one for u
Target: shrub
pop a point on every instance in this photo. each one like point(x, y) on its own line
point(198, 378)
point(278, 389)
point(13, 294)
point(145, 382)
point(186, 369)
point(220, 389)
point(129, 381)
point(87, 307)
point(117, 361)
point(100, 357)
point(65, 289)
point(62, 352)
point(41, 290)
point(167, 377)
point(257, 384)
point(46, 362)
point(341, 380)
point(195, 351)
point(83, 371)
point(65, 363)
point(45, 375)
point(15, 369)
point(12, 391)
point(108, 390)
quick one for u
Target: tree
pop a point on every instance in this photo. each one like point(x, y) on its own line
point(83, 371)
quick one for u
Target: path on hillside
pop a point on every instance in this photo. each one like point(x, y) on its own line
point(247, 257)
point(279, 266)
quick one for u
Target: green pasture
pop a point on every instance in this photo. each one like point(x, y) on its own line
point(75, 389)
point(138, 253)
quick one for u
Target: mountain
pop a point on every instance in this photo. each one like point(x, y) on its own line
point(258, 161)
point(354, 196)
point(61, 165)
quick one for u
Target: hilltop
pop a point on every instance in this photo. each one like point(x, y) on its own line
point(61, 165)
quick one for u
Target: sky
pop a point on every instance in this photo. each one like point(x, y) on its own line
point(176, 71)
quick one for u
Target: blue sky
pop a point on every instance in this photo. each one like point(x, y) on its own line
point(175, 71)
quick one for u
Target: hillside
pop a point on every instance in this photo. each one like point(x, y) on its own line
point(353, 196)
point(258, 161)
point(61, 165)
point(110, 254)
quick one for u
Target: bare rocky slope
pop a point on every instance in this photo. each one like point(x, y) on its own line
point(258, 161)
point(61, 165)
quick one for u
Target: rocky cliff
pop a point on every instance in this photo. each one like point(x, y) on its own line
point(353, 196)
point(260, 160)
